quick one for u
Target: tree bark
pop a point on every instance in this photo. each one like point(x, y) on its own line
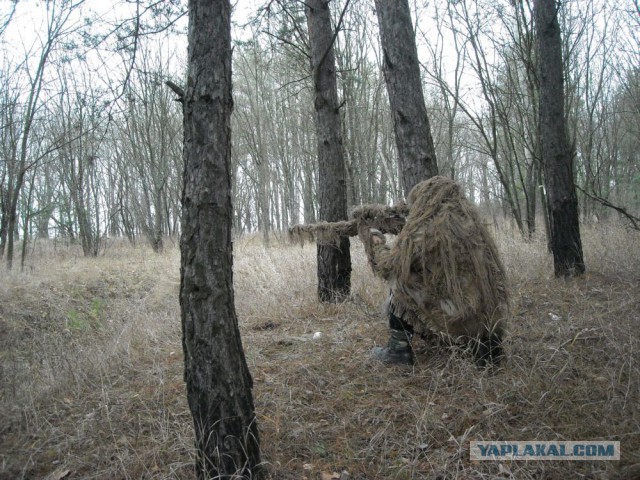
point(219, 385)
point(416, 152)
point(334, 262)
point(557, 156)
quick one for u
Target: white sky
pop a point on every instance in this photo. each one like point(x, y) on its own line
point(28, 25)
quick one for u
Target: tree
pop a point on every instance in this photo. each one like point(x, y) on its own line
point(77, 121)
point(19, 162)
point(219, 385)
point(557, 156)
point(9, 136)
point(254, 64)
point(149, 143)
point(334, 262)
point(494, 42)
point(416, 152)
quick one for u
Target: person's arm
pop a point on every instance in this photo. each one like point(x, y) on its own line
point(377, 250)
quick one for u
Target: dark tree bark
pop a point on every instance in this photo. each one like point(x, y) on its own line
point(4, 219)
point(416, 153)
point(557, 156)
point(219, 386)
point(334, 262)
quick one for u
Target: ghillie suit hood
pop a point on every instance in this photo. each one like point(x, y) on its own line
point(443, 269)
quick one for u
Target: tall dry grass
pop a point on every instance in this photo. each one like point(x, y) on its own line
point(91, 368)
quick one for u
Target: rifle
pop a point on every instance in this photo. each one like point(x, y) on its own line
point(381, 217)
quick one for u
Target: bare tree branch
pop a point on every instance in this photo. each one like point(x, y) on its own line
point(635, 221)
point(333, 39)
point(176, 89)
point(288, 42)
point(6, 19)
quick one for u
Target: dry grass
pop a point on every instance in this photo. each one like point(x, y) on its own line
point(91, 368)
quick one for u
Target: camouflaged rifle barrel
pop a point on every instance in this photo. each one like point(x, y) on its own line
point(385, 219)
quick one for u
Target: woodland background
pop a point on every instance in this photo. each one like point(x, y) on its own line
point(91, 135)
point(91, 364)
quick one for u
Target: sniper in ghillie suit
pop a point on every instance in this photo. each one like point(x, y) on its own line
point(443, 270)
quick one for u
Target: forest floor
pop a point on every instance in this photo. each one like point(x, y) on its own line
point(91, 368)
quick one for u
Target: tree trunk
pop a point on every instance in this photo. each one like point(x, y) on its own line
point(557, 157)
point(416, 153)
point(334, 262)
point(4, 224)
point(531, 195)
point(219, 385)
point(264, 224)
point(25, 226)
point(12, 224)
point(157, 243)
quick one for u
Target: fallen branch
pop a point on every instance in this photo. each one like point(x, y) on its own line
point(385, 219)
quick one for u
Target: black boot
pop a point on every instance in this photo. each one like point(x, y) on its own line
point(398, 350)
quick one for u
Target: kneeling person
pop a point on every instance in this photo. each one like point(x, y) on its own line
point(444, 272)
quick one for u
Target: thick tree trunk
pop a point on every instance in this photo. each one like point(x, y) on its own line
point(557, 157)
point(416, 153)
point(334, 262)
point(219, 386)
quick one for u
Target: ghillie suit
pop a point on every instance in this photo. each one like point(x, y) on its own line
point(444, 270)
